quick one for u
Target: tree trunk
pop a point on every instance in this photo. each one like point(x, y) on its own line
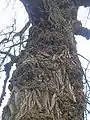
point(47, 83)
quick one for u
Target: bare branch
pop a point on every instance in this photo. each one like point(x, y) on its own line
point(79, 30)
point(20, 33)
point(7, 68)
point(84, 57)
point(6, 53)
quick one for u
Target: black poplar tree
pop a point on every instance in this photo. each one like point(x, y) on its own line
point(47, 83)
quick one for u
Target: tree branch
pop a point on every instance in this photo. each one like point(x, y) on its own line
point(7, 53)
point(79, 30)
point(7, 68)
point(20, 33)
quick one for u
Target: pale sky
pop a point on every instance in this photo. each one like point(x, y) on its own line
point(6, 18)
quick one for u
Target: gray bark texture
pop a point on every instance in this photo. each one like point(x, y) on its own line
point(47, 83)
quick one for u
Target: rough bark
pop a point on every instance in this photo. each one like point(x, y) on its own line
point(47, 84)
